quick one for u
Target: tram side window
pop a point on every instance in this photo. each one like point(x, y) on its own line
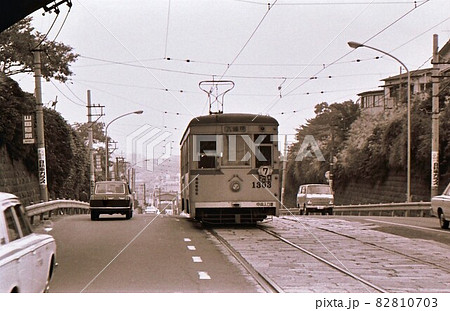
point(265, 148)
point(207, 154)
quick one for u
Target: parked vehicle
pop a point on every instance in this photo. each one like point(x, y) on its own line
point(27, 259)
point(111, 197)
point(440, 206)
point(315, 198)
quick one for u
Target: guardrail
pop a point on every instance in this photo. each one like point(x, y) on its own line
point(60, 207)
point(406, 209)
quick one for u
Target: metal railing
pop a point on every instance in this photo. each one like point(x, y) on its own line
point(45, 210)
point(406, 209)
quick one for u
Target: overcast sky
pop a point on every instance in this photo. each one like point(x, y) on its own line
point(270, 55)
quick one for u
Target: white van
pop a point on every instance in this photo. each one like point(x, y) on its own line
point(315, 198)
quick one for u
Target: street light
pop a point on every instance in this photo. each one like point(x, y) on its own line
point(106, 143)
point(356, 45)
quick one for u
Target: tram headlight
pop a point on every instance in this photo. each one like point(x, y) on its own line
point(235, 186)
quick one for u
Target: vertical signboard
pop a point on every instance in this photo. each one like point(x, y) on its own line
point(435, 169)
point(42, 167)
point(28, 129)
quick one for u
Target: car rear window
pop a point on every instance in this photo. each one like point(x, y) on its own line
point(110, 188)
point(319, 189)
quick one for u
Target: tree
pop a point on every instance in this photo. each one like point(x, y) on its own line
point(17, 43)
point(329, 130)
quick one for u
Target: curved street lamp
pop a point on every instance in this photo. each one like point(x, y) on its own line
point(106, 142)
point(356, 45)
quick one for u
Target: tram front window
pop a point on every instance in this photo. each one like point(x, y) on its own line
point(236, 151)
point(266, 158)
point(207, 154)
point(265, 148)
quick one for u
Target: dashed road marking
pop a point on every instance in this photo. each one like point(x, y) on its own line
point(203, 275)
point(187, 239)
point(191, 247)
point(197, 259)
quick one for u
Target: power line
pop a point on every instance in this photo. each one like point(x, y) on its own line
point(202, 74)
point(131, 53)
point(351, 51)
point(167, 31)
point(251, 36)
point(330, 3)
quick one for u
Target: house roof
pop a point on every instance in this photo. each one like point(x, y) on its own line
point(445, 51)
point(374, 92)
point(413, 73)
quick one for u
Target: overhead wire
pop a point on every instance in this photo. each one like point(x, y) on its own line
point(209, 74)
point(167, 30)
point(46, 35)
point(347, 53)
point(131, 53)
point(67, 97)
point(269, 107)
point(63, 23)
point(251, 36)
point(312, 3)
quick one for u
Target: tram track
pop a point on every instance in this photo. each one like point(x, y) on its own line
point(318, 259)
point(268, 284)
point(415, 259)
point(325, 261)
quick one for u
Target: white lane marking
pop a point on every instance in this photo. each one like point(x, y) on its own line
point(410, 226)
point(202, 275)
point(197, 259)
point(187, 239)
point(191, 248)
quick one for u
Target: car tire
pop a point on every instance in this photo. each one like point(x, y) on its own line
point(94, 215)
point(129, 214)
point(443, 222)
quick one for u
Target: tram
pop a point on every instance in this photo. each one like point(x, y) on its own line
point(230, 168)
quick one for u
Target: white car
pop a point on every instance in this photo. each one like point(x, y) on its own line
point(440, 206)
point(151, 210)
point(27, 259)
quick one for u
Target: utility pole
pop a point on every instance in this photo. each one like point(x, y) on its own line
point(91, 151)
point(283, 180)
point(91, 139)
point(40, 127)
point(435, 120)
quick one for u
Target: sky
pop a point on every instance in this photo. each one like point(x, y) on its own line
point(283, 59)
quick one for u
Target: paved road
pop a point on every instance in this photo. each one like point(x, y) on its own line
point(147, 253)
point(426, 228)
point(174, 254)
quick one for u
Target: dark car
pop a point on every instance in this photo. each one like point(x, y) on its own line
point(111, 197)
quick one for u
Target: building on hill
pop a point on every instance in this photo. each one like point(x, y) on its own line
point(394, 90)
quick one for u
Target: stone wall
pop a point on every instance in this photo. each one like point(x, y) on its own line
point(393, 189)
point(15, 179)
